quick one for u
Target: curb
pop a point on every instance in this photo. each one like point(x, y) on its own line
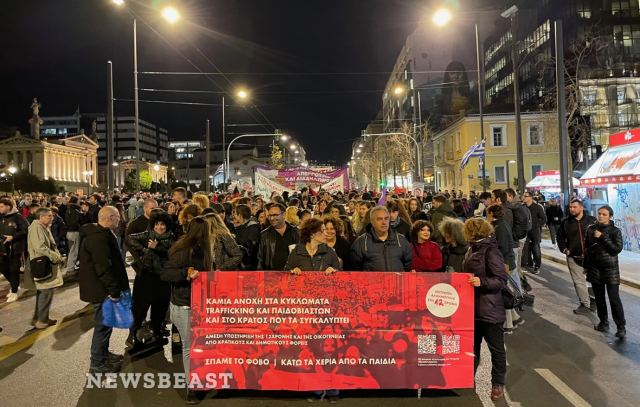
point(625, 281)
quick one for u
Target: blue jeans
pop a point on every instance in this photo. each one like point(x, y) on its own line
point(100, 340)
point(181, 318)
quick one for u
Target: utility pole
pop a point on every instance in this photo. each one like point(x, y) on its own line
point(109, 125)
point(135, 102)
point(225, 170)
point(207, 165)
point(512, 14)
point(480, 85)
point(562, 119)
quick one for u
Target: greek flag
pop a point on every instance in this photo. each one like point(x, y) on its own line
point(476, 150)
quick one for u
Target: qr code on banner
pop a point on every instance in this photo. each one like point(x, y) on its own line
point(450, 344)
point(427, 344)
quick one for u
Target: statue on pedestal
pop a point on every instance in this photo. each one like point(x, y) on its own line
point(35, 120)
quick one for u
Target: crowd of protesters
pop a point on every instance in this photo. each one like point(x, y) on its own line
point(494, 235)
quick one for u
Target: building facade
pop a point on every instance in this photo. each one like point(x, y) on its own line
point(602, 57)
point(71, 162)
point(153, 140)
point(540, 131)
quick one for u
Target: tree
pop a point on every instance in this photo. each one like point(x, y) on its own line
point(276, 156)
point(588, 51)
point(145, 180)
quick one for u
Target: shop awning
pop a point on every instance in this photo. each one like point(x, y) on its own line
point(620, 164)
point(545, 180)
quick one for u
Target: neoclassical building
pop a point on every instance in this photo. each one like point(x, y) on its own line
point(72, 162)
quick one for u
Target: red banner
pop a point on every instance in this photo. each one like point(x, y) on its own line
point(359, 330)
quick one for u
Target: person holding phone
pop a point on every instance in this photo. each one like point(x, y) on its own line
point(603, 243)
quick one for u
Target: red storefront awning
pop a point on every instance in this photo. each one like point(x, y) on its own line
point(620, 164)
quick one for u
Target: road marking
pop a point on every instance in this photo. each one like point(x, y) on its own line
point(9, 350)
point(562, 388)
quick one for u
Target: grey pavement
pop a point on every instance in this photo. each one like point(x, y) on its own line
point(555, 359)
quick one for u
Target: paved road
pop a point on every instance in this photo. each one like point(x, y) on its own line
point(555, 359)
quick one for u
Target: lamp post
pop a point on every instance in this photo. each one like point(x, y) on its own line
point(283, 137)
point(171, 15)
point(441, 18)
point(13, 171)
point(506, 166)
point(511, 13)
point(243, 95)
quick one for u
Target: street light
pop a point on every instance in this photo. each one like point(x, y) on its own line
point(442, 18)
point(511, 13)
point(170, 14)
point(398, 90)
point(242, 95)
point(282, 137)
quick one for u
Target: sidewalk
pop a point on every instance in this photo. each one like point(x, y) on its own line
point(628, 261)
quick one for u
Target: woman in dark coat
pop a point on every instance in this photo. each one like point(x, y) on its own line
point(485, 262)
point(189, 255)
point(312, 252)
point(150, 251)
point(455, 246)
point(603, 243)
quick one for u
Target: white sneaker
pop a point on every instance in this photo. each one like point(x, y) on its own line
point(12, 297)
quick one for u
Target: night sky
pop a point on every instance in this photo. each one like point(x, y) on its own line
point(335, 55)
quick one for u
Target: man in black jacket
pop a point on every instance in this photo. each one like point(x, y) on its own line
point(247, 234)
point(94, 208)
point(13, 243)
point(534, 236)
point(102, 275)
point(141, 223)
point(275, 240)
point(554, 217)
point(380, 248)
point(73, 218)
point(571, 235)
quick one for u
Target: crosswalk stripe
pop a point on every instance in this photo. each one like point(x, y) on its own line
point(562, 388)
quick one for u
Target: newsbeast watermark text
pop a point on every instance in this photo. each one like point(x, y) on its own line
point(157, 381)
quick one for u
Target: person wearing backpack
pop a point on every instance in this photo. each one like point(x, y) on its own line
point(534, 236)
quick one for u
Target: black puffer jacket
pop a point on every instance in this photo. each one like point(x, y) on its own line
point(175, 272)
point(148, 260)
point(369, 253)
point(324, 258)
point(484, 260)
point(248, 237)
point(601, 258)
